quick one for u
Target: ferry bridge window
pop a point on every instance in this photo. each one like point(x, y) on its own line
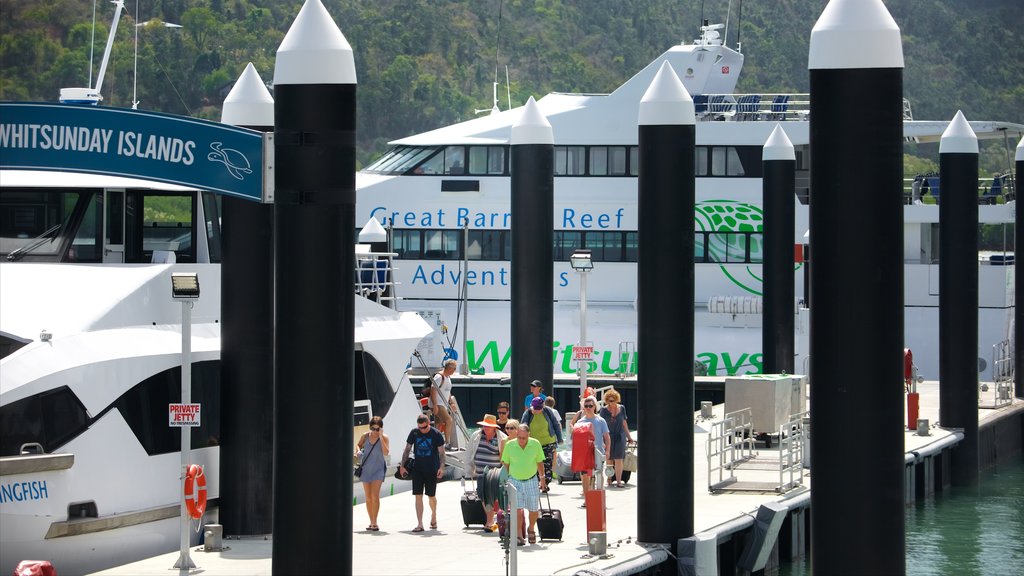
point(87, 242)
point(701, 160)
point(212, 210)
point(375, 166)
point(165, 224)
point(756, 245)
point(410, 159)
point(51, 418)
point(454, 162)
point(632, 246)
point(598, 160)
point(441, 244)
point(401, 155)
point(37, 222)
point(634, 160)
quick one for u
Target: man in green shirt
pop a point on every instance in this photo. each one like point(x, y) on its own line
point(524, 459)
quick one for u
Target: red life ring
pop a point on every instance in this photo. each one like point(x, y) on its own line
point(196, 506)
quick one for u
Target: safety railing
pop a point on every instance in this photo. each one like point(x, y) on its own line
point(791, 452)
point(627, 354)
point(730, 442)
point(926, 189)
point(999, 392)
point(375, 278)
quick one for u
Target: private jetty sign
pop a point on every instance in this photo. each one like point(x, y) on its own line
point(146, 145)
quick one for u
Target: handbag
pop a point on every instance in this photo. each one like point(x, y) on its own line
point(358, 470)
point(629, 462)
point(410, 464)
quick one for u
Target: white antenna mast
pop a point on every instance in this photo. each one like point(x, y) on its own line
point(92, 95)
point(92, 42)
point(508, 88)
point(135, 66)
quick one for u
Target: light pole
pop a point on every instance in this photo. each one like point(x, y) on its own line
point(185, 289)
point(582, 262)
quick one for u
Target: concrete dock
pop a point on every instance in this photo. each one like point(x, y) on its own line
point(724, 517)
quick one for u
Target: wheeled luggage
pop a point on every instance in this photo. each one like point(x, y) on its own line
point(472, 509)
point(563, 467)
point(549, 523)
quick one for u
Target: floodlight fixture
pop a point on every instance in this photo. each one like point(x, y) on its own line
point(185, 285)
point(581, 261)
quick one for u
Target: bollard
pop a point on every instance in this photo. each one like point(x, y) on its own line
point(913, 402)
point(922, 427)
point(213, 538)
point(705, 409)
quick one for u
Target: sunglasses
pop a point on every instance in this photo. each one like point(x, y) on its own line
point(424, 425)
point(590, 406)
point(374, 429)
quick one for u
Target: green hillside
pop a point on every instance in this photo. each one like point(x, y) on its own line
point(424, 64)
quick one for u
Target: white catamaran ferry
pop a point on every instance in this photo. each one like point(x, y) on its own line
point(445, 195)
point(90, 358)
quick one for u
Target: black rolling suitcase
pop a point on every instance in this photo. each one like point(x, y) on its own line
point(549, 523)
point(472, 510)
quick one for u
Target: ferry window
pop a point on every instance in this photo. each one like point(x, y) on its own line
point(454, 162)
point(701, 160)
point(727, 247)
point(441, 244)
point(51, 418)
point(9, 344)
point(86, 245)
point(566, 243)
point(396, 159)
point(372, 383)
point(700, 247)
point(410, 159)
point(406, 243)
point(387, 157)
point(634, 160)
point(725, 161)
point(570, 160)
point(484, 245)
point(594, 241)
point(598, 161)
point(617, 160)
point(612, 246)
point(632, 246)
point(144, 408)
point(36, 222)
point(211, 210)
point(486, 160)
point(756, 247)
point(167, 226)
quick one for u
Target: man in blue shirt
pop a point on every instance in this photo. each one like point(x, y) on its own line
point(536, 391)
point(427, 444)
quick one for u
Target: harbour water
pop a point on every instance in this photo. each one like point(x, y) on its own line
point(965, 531)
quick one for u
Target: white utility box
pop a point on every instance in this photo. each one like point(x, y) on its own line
point(772, 398)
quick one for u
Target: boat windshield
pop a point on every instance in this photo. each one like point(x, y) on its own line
point(37, 222)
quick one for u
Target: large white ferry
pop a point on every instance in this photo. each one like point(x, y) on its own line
point(90, 358)
point(445, 195)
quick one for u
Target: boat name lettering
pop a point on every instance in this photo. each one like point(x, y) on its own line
point(586, 219)
point(571, 218)
point(97, 141)
point(21, 491)
point(443, 275)
point(493, 357)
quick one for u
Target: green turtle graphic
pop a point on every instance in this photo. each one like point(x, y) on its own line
point(733, 216)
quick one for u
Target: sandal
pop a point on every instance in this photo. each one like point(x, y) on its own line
point(433, 525)
point(532, 536)
point(376, 528)
point(369, 528)
point(418, 529)
point(521, 542)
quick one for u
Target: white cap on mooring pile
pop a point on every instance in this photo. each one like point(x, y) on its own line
point(666, 101)
point(959, 137)
point(532, 127)
point(855, 34)
point(778, 146)
point(314, 51)
point(249, 103)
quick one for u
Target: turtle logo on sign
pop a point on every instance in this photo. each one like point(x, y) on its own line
point(236, 162)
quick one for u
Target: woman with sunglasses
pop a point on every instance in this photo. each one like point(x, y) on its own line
point(614, 413)
point(373, 450)
point(602, 439)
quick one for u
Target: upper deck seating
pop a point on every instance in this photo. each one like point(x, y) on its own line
point(747, 106)
point(700, 104)
point(780, 106)
point(992, 195)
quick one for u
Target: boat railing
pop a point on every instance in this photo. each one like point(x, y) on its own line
point(791, 452)
point(926, 189)
point(730, 442)
point(375, 277)
point(999, 392)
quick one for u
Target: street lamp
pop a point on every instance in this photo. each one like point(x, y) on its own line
point(185, 289)
point(582, 262)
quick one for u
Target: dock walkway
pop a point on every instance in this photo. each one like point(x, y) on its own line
point(454, 549)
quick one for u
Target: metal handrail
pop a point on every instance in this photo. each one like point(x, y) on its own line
point(730, 442)
point(791, 452)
